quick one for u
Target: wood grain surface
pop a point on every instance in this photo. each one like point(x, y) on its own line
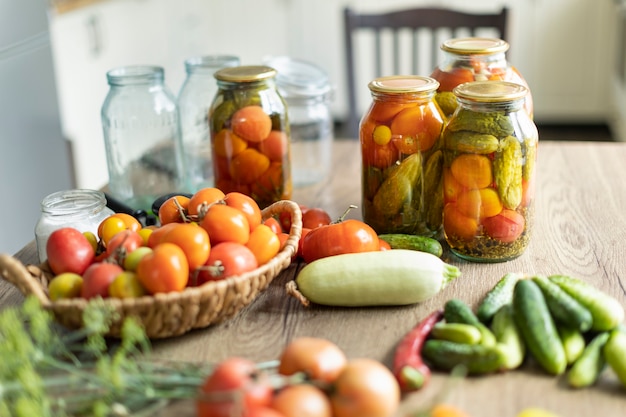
point(579, 230)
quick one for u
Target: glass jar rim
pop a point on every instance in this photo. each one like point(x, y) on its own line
point(298, 78)
point(475, 46)
point(135, 74)
point(490, 91)
point(403, 84)
point(71, 202)
point(211, 61)
point(245, 73)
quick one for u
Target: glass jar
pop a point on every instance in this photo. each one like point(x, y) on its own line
point(474, 59)
point(307, 92)
point(194, 102)
point(490, 148)
point(141, 136)
point(402, 157)
point(250, 137)
point(80, 209)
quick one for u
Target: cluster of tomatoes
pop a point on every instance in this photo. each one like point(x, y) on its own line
point(313, 378)
point(206, 237)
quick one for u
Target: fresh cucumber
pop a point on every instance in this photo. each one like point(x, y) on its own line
point(456, 332)
point(478, 359)
point(573, 343)
point(413, 242)
point(564, 308)
point(392, 277)
point(457, 311)
point(537, 327)
point(615, 354)
point(606, 311)
point(499, 295)
point(585, 371)
point(508, 336)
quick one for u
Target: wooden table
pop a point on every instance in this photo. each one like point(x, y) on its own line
point(580, 230)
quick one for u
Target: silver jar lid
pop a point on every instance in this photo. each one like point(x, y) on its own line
point(298, 78)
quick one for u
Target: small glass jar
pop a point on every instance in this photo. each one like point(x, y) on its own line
point(80, 209)
point(141, 136)
point(194, 102)
point(474, 59)
point(250, 136)
point(490, 148)
point(307, 92)
point(402, 157)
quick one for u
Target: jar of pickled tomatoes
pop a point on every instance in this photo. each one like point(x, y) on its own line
point(490, 147)
point(474, 59)
point(250, 137)
point(402, 158)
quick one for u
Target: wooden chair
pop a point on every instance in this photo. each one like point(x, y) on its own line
point(425, 28)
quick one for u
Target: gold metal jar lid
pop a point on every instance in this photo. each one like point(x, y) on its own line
point(490, 91)
point(475, 46)
point(403, 84)
point(245, 73)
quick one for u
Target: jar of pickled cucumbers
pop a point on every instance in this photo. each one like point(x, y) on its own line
point(474, 59)
point(490, 147)
point(402, 157)
point(250, 139)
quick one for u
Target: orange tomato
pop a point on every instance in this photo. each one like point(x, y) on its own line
point(248, 165)
point(109, 227)
point(226, 144)
point(251, 123)
point(365, 387)
point(457, 225)
point(174, 209)
point(263, 243)
point(225, 260)
point(192, 239)
point(315, 217)
point(416, 129)
point(472, 171)
point(164, 270)
point(275, 146)
point(302, 400)
point(450, 79)
point(321, 359)
point(130, 222)
point(373, 154)
point(384, 111)
point(272, 185)
point(273, 224)
point(384, 245)
point(246, 205)
point(226, 224)
point(446, 410)
point(451, 187)
point(478, 204)
point(203, 198)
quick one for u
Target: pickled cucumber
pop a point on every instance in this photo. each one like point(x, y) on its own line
point(530, 155)
point(433, 190)
point(399, 186)
point(446, 101)
point(471, 142)
point(507, 167)
point(493, 123)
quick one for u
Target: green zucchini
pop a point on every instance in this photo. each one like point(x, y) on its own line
point(456, 311)
point(478, 359)
point(392, 277)
point(563, 307)
point(606, 311)
point(508, 336)
point(587, 368)
point(573, 343)
point(615, 354)
point(456, 332)
point(537, 327)
point(499, 295)
point(413, 242)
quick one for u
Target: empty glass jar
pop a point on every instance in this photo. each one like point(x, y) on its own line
point(194, 101)
point(141, 134)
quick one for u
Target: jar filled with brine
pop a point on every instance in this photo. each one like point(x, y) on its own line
point(474, 59)
point(490, 147)
point(250, 138)
point(401, 157)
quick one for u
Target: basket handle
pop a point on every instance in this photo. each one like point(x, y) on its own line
point(16, 273)
point(296, 220)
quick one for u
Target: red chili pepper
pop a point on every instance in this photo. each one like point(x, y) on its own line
point(408, 367)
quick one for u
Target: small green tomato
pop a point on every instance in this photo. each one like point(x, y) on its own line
point(126, 285)
point(132, 259)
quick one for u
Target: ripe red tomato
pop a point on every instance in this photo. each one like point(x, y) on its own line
point(365, 387)
point(123, 243)
point(302, 400)
point(284, 218)
point(68, 250)
point(226, 224)
point(233, 377)
point(247, 206)
point(320, 359)
point(273, 224)
point(227, 259)
point(315, 217)
point(347, 236)
point(97, 278)
point(164, 270)
point(506, 226)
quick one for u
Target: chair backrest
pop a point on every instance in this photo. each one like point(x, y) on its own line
point(424, 27)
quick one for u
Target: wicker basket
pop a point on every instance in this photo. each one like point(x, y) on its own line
point(167, 314)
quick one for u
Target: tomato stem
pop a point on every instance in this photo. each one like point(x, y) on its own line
point(345, 213)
